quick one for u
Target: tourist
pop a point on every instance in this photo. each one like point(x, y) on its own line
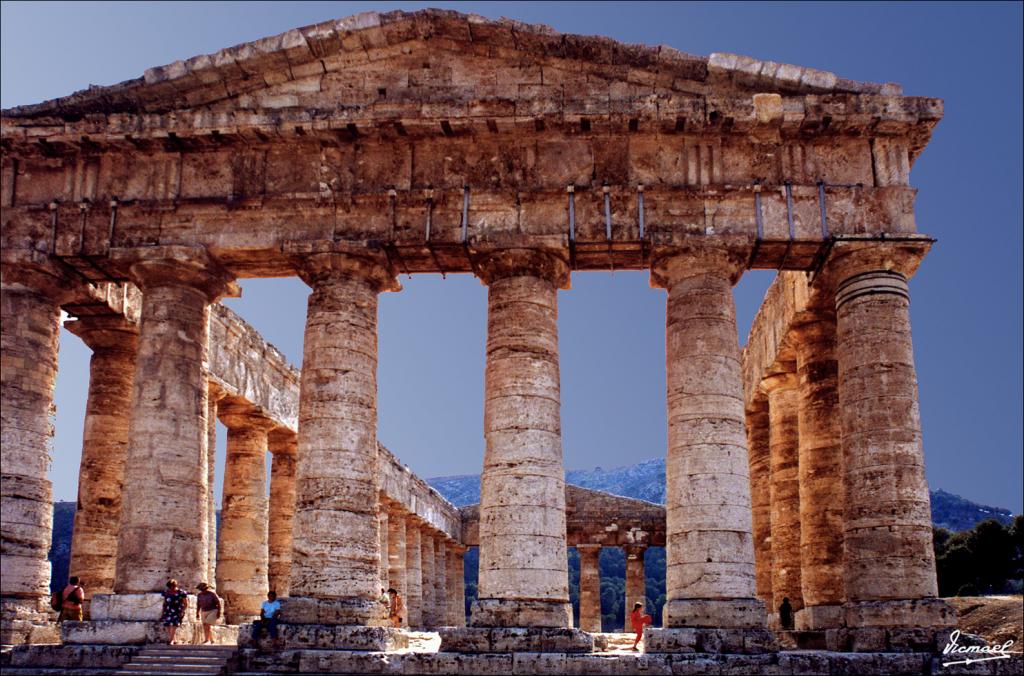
point(786, 614)
point(71, 599)
point(175, 605)
point(639, 621)
point(268, 617)
point(384, 599)
point(396, 607)
point(207, 610)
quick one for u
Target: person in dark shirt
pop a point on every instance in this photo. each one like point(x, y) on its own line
point(786, 614)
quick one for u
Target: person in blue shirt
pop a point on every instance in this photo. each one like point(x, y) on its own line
point(268, 617)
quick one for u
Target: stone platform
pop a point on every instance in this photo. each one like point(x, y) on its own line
point(104, 659)
point(515, 639)
point(327, 636)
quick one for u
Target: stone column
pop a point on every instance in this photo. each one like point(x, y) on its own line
point(114, 342)
point(413, 572)
point(428, 589)
point(710, 554)
point(590, 588)
point(821, 477)
point(784, 489)
point(29, 332)
point(440, 582)
point(636, 584)
point(455, 578)
point(523, 561)
point(282, 512)
point(336, 545)
point(385, 556)
point(164, 511)
point(397, 555)
point(214, 395)
point(889, 560)
point(758, 441)
point(242, 552)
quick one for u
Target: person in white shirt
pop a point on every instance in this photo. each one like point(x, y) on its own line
point(268, 617)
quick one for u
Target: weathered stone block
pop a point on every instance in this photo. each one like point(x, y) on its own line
point(516, 613)
point(120, 632)
point(714, 613)
point(706, 640)
point(910, 613)
point(328, 637)
point(515, 639)
point(132, 607)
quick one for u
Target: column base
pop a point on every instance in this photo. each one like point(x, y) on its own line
point(815, 618)
point(520, 613)
point(715, 613)
point(515, 640)
point(128, 619)
point(350, 612)
point(27, 621)
point(909, 613)
point(744, 641)
point(326, 637)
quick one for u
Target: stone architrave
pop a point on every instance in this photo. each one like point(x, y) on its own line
point(758, 441)
point(413, 572)
point(30, 301)
point(165, 482)
point(336, 539)
point(428, 589)
point(709, 549)
point(821, 477)
point(523, 564)
point(636, 583)
point(590, 588)
point(889, 558)
point(455, 579)
point(440, 582)
point(242, 553)
point(282, 512)
point(397, 556)
point(784, 489)
point(114, 342)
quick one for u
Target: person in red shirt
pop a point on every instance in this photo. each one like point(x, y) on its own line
point(639, 621)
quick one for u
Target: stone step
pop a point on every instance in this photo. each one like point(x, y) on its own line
point(203, 660)
point(137, 667)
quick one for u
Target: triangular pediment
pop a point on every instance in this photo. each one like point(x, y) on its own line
point(435, 57)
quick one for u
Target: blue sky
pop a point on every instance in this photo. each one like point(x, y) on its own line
point(966, 299)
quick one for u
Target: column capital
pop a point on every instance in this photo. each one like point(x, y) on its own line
point(105, 332)
point(853, 256)
point(237, 416)
point(813, 328)
point(785, 380)
point(282, 441)
point(589, 548)
point(671, 265)
point(319, 263)
point(186, 266)
point(457, 548)
point(41, 274)
point(522, 263)
point(634, 551)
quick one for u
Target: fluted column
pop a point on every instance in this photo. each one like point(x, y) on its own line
point(590, 588)
point(336, 545)
point(455, 579)
point(114, 342)
point(821, 476)
point(636, 583)
point(382, 528)
point(214, 395)
point(413, 572)
point(242, 559)
point(784, 488)
point(523, 561)
point(164, 512)
point(440, 582)
point(428, 588)
point(758, 441)
point(887, 517)
point(397, 555)
point(710, 555)
point(282, 512)
point(29, 332)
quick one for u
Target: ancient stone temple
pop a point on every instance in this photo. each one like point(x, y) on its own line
point(353, 151)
